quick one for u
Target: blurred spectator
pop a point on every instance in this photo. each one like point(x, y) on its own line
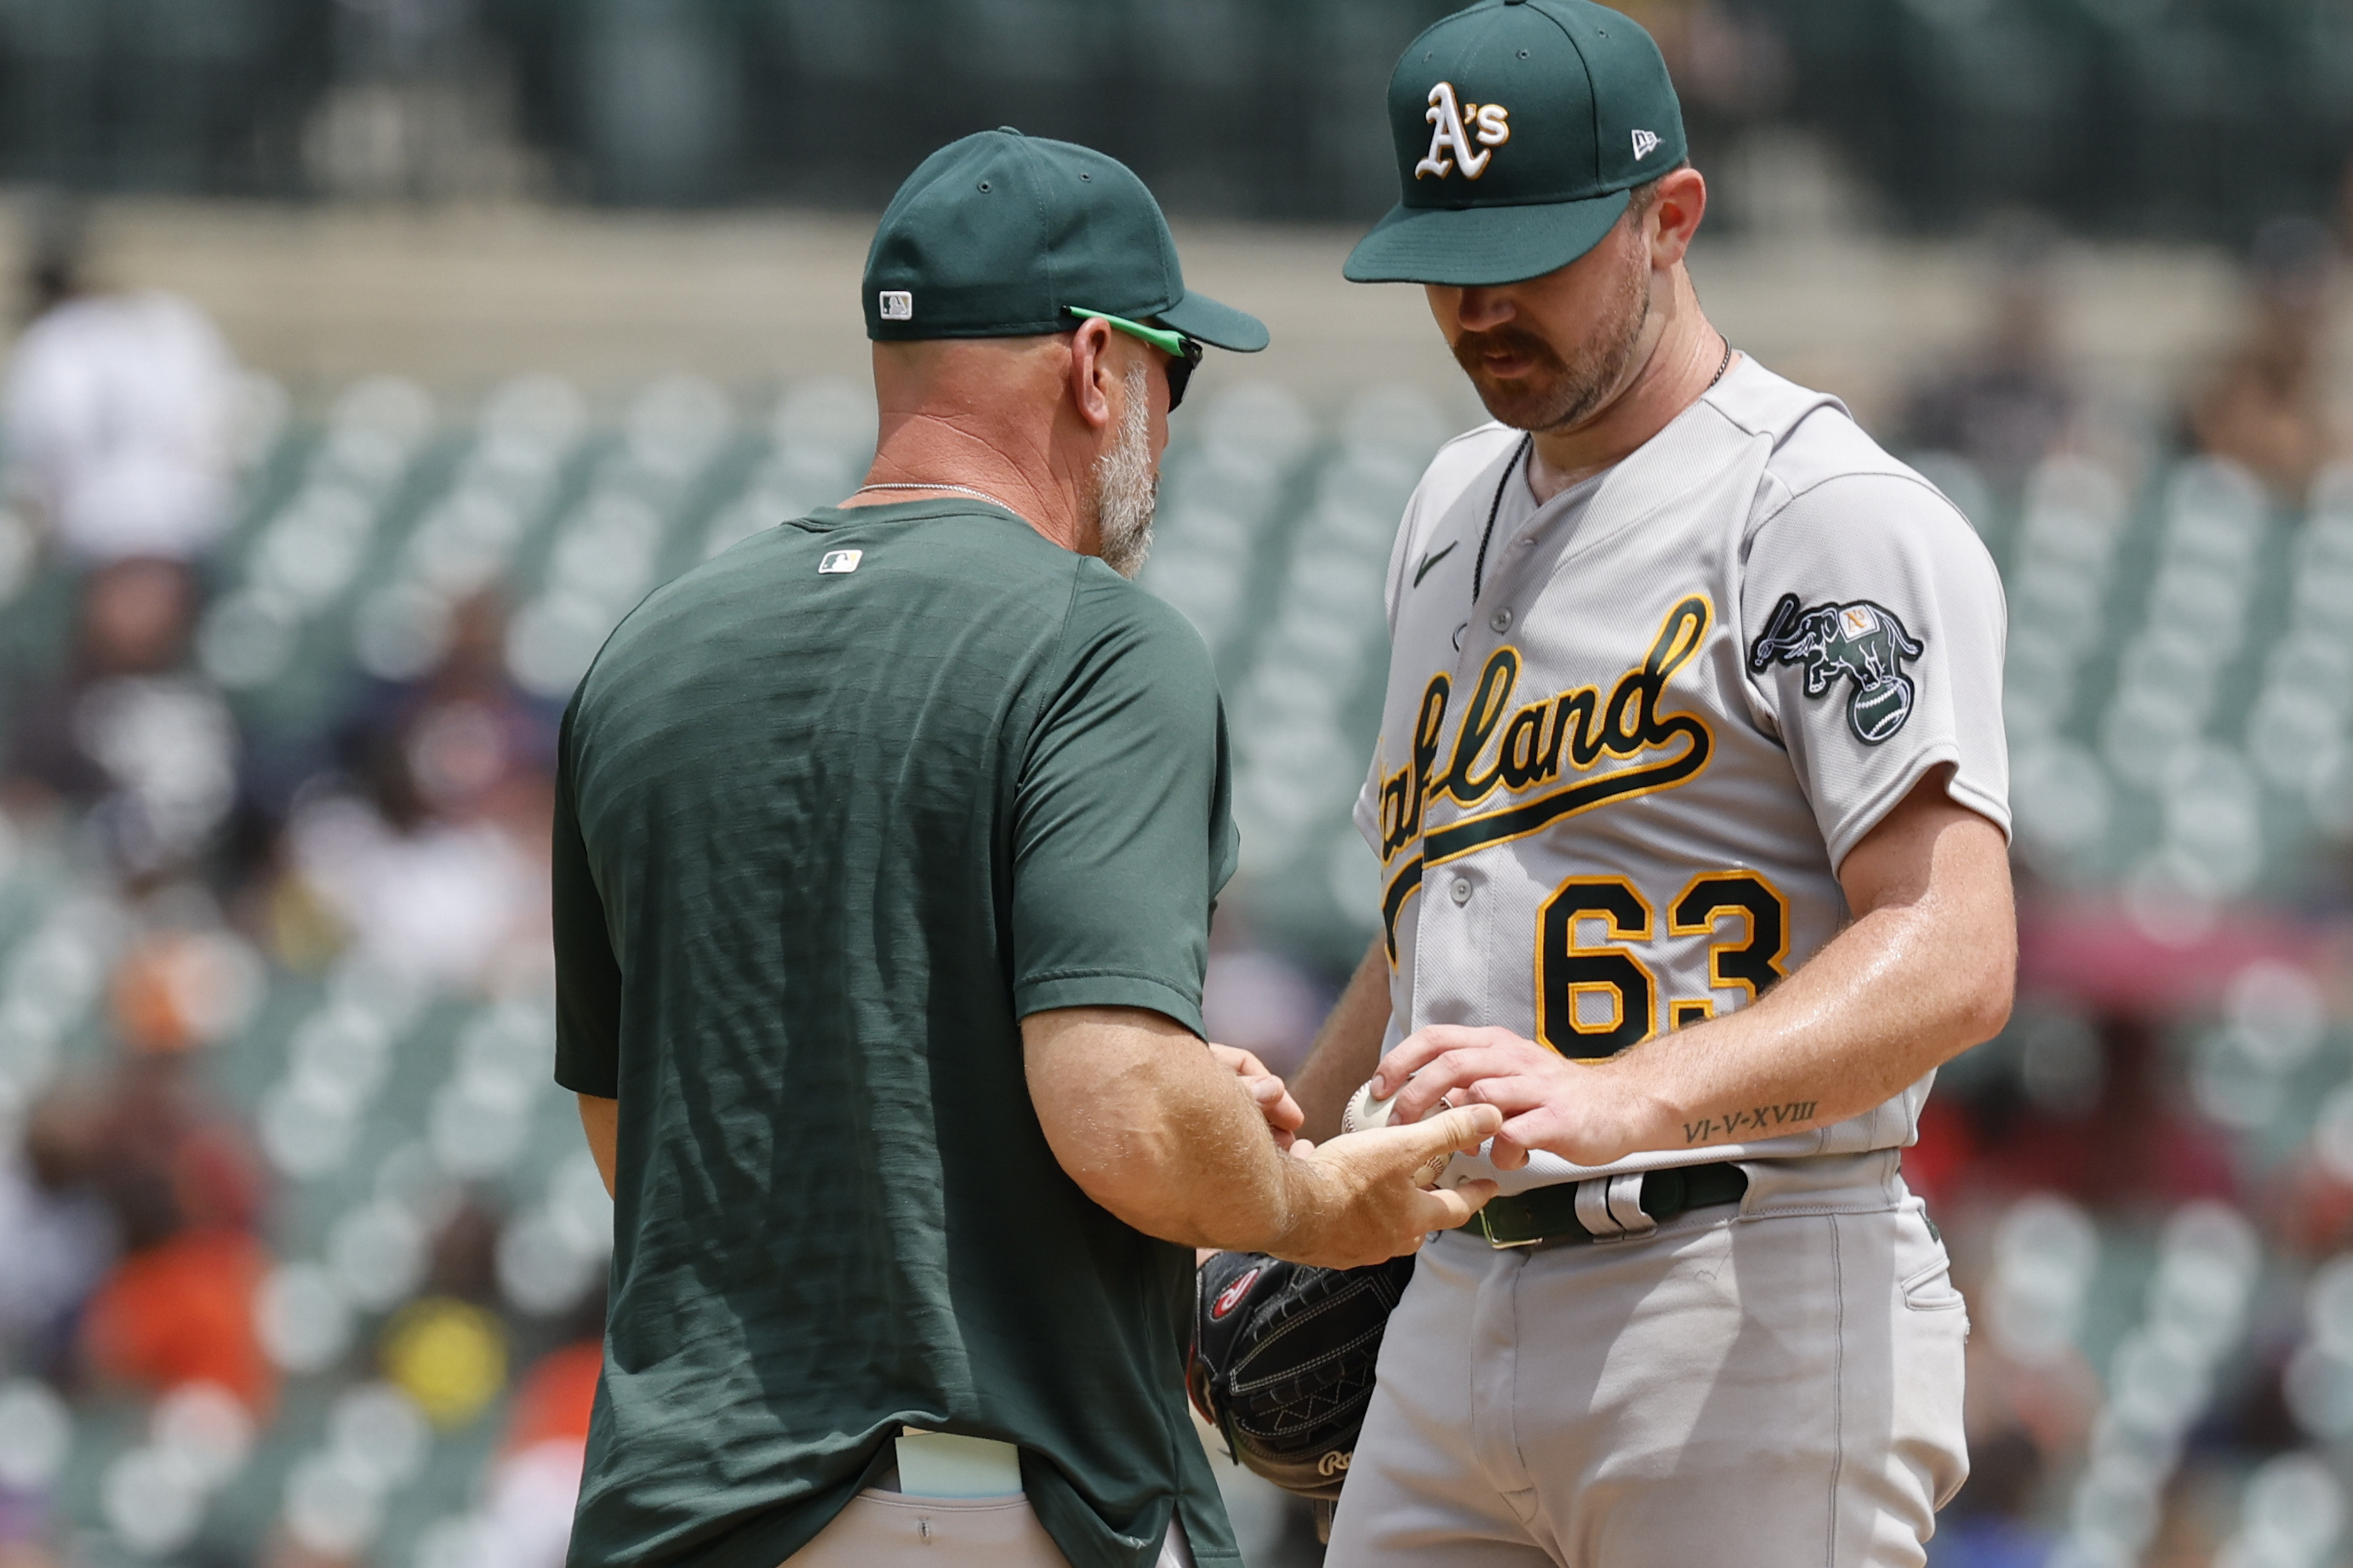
point(56, 1233)
point(462, 739)
point(436, 868)
point(2006, 405)
point(180, 988)
point(181, 1312)
point(464, 1259)
point(2092, 1114)
point(185, 1195)
point(116, 415)
point(126, 728)
point(2267, 404)
point(1731, 66)
point(449, 1357)
point(536, 1478)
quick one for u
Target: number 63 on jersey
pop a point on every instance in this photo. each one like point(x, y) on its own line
point(1595, 993)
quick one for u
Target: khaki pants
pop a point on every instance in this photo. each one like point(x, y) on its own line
point(1778, 1387)
point(889, 1529)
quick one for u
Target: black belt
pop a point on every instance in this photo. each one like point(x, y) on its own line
point(1608, 1208)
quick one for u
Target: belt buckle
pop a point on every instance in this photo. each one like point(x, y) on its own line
point(1498, 1245)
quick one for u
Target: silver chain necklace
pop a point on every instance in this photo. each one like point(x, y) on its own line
point(960, 489)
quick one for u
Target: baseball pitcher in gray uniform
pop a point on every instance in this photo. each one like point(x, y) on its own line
point(1690, 801)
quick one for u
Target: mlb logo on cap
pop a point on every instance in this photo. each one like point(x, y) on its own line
point(898, 305)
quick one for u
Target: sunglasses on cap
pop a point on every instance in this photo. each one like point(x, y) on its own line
point(1183, 354)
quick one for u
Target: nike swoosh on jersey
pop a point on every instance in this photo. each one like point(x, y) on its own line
point(1430, 561)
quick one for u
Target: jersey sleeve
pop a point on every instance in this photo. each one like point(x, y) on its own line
point(587, 975)
point(1874, 623)
point(1122, 825)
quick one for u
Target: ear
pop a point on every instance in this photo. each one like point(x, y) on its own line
point(1091, 374)
point(1676, 214)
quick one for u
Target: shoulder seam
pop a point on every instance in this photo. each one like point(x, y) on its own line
point(1900, 476)
point(1062, 642)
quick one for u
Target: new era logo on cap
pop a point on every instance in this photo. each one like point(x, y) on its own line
point(1645, 144)
point(839, 561)
point(898, 305)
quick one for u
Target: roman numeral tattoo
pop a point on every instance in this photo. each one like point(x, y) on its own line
point(1729, 1127)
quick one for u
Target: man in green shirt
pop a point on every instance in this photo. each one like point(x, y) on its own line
point(885, 846)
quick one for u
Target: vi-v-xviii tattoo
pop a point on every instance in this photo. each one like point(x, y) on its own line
point(1757, 1119)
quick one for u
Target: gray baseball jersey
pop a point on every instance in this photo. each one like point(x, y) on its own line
point(1612, 789)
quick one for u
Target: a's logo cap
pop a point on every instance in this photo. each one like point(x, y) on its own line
point(1000, 235)
point(1519, 126)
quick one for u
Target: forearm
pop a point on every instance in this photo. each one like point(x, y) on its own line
point(1163, 1135)
point(1155, 1130)
point(600, 1118)
point(1346, 1049)
point(1892, 997)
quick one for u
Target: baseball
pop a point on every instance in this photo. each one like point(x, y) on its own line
point(1366, 1110)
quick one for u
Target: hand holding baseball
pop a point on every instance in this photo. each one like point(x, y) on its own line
point(1587, 1114)
point(1363, 1195)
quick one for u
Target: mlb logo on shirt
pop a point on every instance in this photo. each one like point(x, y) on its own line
point(898, 305)
point(839, 561)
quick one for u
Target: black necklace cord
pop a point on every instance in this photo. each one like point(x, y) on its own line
point(1487, 534)
point(1528, 445)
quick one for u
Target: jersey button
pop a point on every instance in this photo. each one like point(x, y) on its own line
point(1500, 620)
point(1460, 891)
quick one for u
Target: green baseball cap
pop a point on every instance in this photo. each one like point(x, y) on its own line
point(1520, 126)
point(1003, 235)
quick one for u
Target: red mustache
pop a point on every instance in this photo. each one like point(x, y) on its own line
point(1472, 348)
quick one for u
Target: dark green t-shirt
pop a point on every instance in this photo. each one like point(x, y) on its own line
point(827, 826)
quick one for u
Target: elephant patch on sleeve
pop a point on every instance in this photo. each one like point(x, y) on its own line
point(1859, 640)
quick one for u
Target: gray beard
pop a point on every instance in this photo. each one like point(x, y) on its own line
point(1126, 487)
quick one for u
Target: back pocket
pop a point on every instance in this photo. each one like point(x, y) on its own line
point(1931, 1290)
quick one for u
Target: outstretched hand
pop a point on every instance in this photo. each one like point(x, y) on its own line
point(1587, 1114)
point(1367, 1194)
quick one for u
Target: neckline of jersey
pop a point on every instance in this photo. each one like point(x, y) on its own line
point(1584, 538)
point(1584, 488)
point(826, 519)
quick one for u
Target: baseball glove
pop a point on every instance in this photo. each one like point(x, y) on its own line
point(1282, 1363)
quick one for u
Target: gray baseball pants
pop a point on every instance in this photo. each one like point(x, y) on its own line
point(1776, 1386)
